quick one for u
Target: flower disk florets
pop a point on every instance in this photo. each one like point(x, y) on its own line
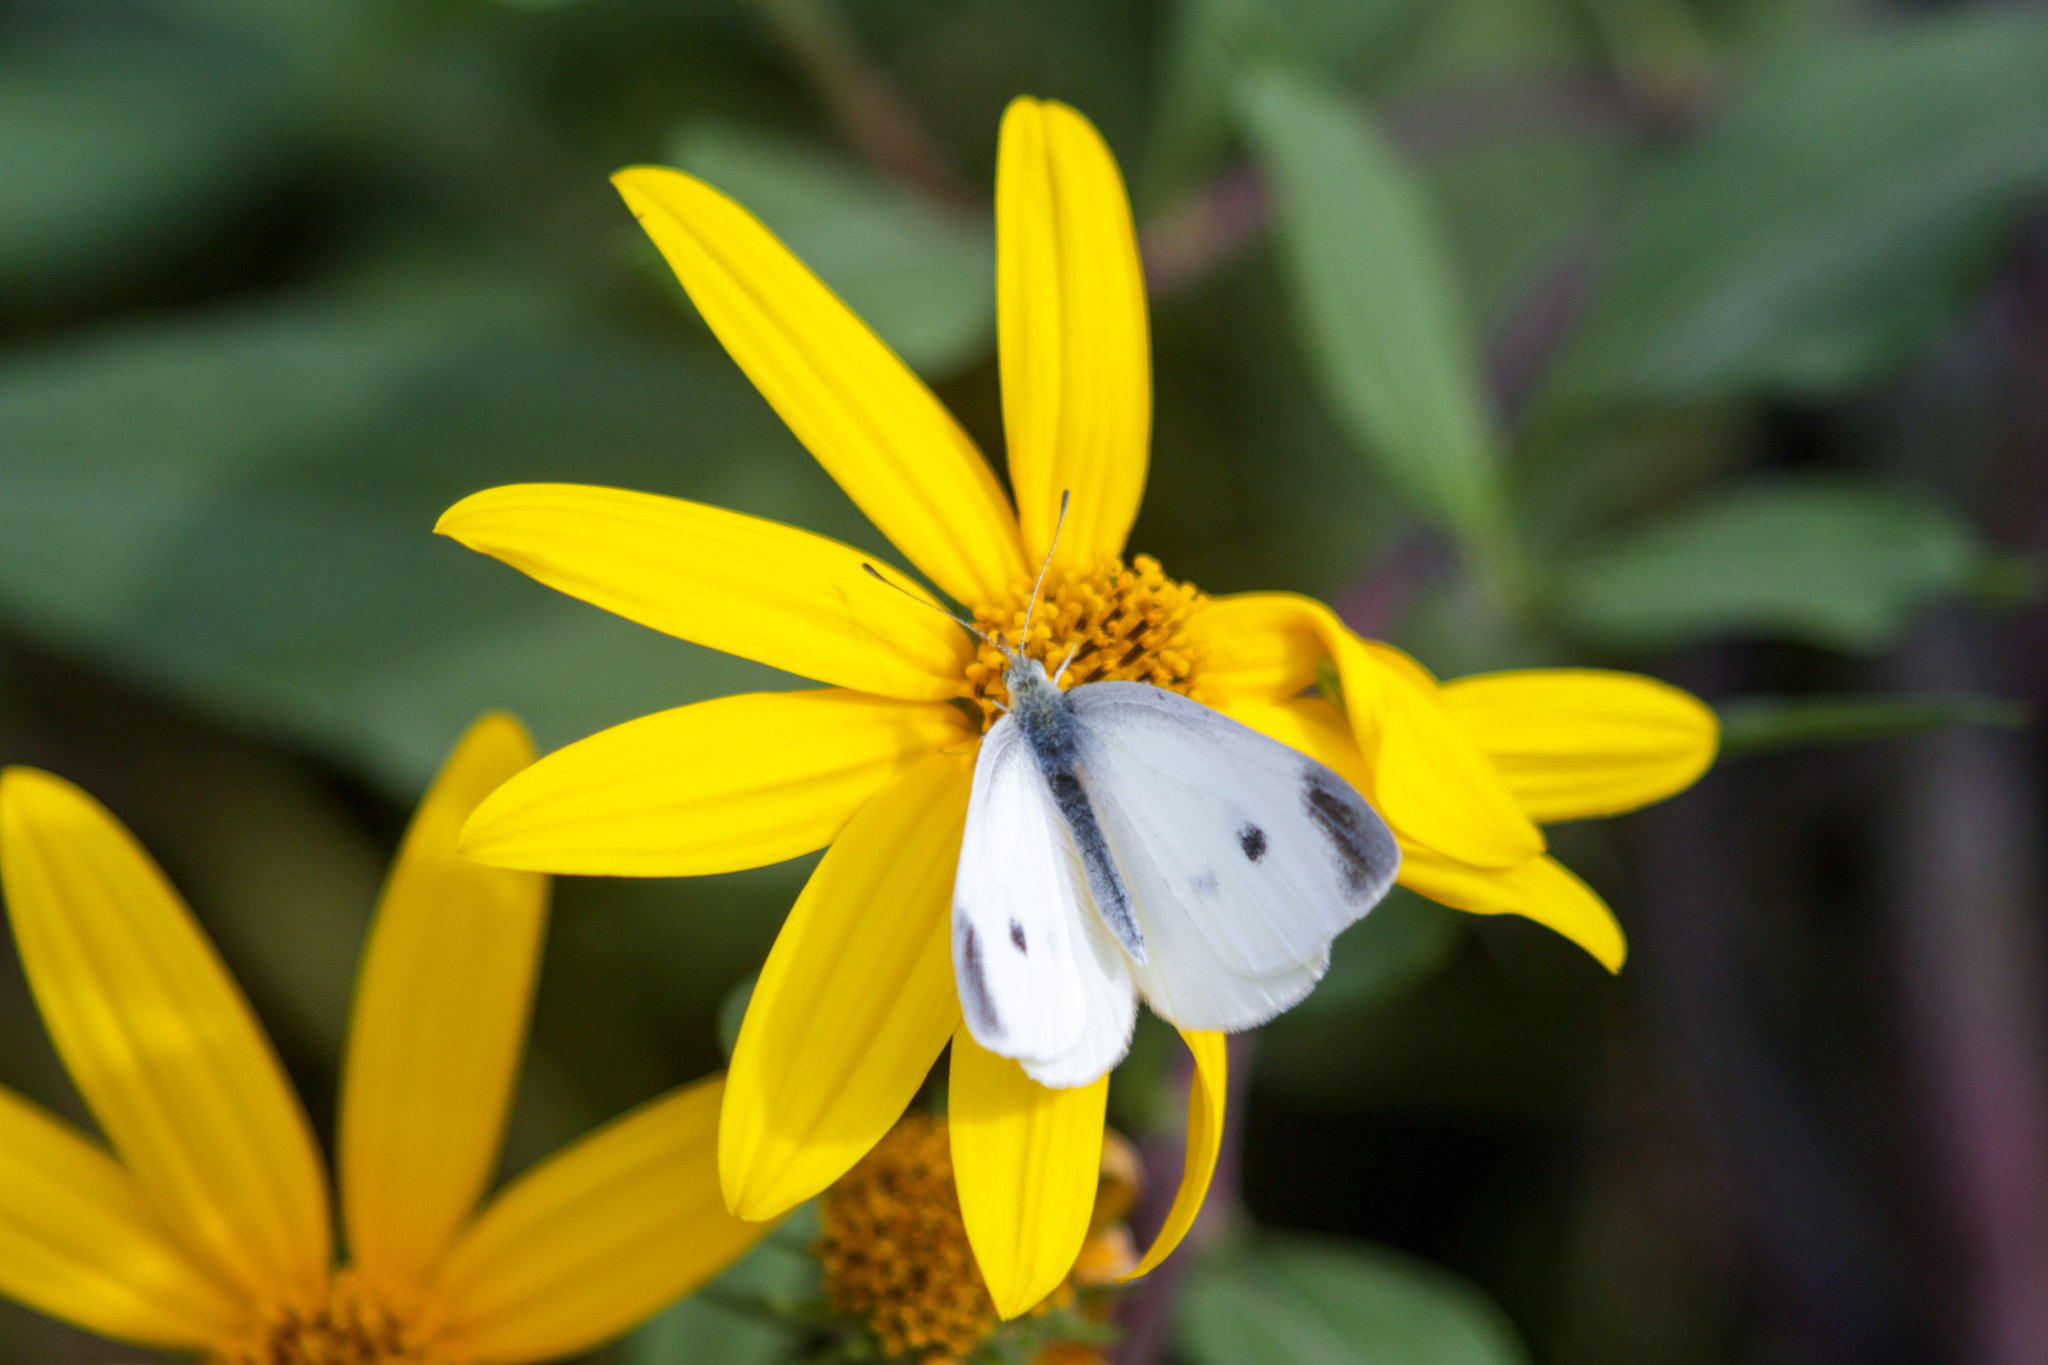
point(895, 1249)
point(358, 1324)
point(1121, 625)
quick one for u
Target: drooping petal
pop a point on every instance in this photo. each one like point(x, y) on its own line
point(76, 1241)
point(856, 1000)
point(1426, 778)
point(870, 422)
point(737, 782)
point(1541, 889)
point(1027, 1161)
point(596, 1237)
point(439, 1022)
point(1075, 347)
point(161, 1043)
point(1572, 743)
point(1205, 1140)
point(750, 587)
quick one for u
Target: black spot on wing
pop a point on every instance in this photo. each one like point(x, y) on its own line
point(1252, 840)
point(1364, 850)
point(974, 983)
point(1017, 938)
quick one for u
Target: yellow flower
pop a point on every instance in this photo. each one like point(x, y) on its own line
point(203, 1222)
point(857, 998)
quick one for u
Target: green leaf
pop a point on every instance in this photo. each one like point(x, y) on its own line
point(922, 277)
point(1842, 564)
point(1282, 1300)
point(1404, 939)
point(1753, 725)
point(118, 152)
point(1375, 304)
point(747, 1315)
point(1834, 219)
point(241, 509)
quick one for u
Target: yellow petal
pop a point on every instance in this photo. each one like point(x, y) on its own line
point(1577, 742)
point(160, 1042)
point(1427, 779)
point(750, 587)
point(77, 1243)
point(1262, 646)
point(1027, 1160)
point(870, 422)
point(1541, 889)
point(1205, 1140)
point(856, 1000)
point(596, 1237)
point(1075, 350)
point(439, 1022)
point(737, 782)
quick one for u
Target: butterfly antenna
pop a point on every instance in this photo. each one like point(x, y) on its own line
point(965, 625)
point(1032, 605)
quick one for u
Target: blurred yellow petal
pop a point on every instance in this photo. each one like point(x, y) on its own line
point(1430, 781)
point(1027, 1160)
point(77, 1243)
point(597, 1237)
point(439, 1022)
point(1571, 743)
point(1426, 778)
point(1541, 889)
point(856, 1000)
point(1076, 354)
point(1205, 1140)
point(750, 587)
point(161, 1043)
point(737, 782)
point(1262, 646)
point(870, 422)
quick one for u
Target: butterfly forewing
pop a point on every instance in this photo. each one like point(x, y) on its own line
point(1265, 852)
point(1018, 898)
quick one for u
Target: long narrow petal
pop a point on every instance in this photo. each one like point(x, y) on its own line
point(160, 1042)
point(439, 1022)
point(1429, 781)
point(872, 423)
point(1541, 889)
point(1577, 742)
point(596, 1237)
point(1076, 353)
point(737, 782)
point(1205, 1140)
point(856, 1000)
point(1027, 1160)
point(750, 587)
point(77, 1243)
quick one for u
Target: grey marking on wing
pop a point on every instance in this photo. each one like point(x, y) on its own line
point(1017, 938)
point(1205, 885)
point(1252, 840)
point(974, 983)
point(1363, 847)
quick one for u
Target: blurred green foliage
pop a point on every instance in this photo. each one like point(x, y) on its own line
point(1474, 317)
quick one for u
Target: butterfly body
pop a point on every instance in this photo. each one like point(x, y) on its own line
point(1123, 840)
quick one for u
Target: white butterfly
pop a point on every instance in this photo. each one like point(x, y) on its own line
point(1123, 840)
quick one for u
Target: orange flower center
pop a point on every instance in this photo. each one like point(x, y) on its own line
point(895, 1250)
point(359, 1323)
point(1119, 624)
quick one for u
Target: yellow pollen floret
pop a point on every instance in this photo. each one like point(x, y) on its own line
point(359, 1323)
point(895, 1250)
point(1121, 625)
